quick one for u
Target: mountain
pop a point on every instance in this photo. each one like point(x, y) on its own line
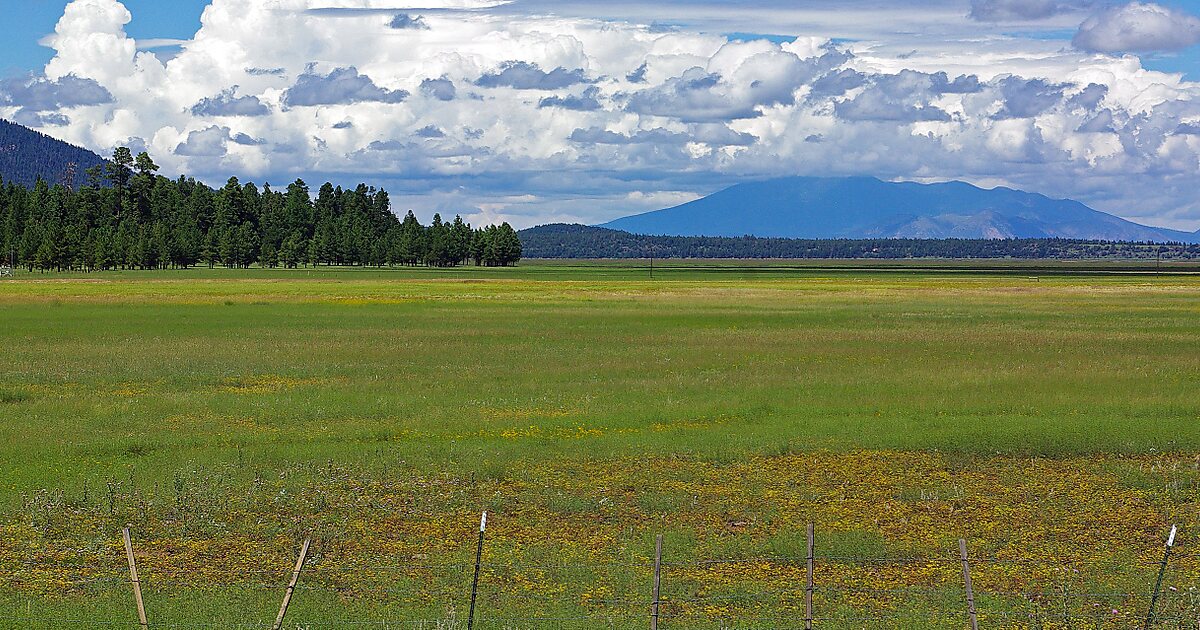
point(582, 242)
point(864, 208)
point(26, 155)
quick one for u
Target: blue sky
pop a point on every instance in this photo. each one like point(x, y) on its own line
point(1186, 61)
point(571, 110)
point(26, 21)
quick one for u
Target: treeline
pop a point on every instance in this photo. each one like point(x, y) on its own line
point(126, 216)
point(581, 242)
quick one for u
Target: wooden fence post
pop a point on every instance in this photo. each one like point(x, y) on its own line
point(657, 582)
point(966, 564)
point(809, 586)
point(133, 579)
point(291, 587)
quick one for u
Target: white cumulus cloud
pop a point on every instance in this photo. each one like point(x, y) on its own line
point(492, 112)
point(1138, 27)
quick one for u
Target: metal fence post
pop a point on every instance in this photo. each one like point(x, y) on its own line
point(133, 579)
point(291, 587)
point(1162, 572)
point(966, 565)
point(478, 562)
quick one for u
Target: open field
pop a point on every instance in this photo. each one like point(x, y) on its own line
point(1047, 413)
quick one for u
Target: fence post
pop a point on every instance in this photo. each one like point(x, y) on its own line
point(966, 564)
point(478, 562)
point(291, 587)
point(809, 586)
point(657, 582)
point(1162, 571)
point(133, 579)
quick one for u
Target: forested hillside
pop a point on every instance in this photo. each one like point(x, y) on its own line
point(26, 155)
point(578, 241)
point(126, 216)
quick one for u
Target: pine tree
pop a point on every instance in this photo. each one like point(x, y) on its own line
point(508, 246)
point(460, 241)
point(120, 169)
point(270, 257)
point(129, 217)
point(210, 250)
point(291, 253)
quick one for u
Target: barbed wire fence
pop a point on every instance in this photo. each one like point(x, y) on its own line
point(954, 589)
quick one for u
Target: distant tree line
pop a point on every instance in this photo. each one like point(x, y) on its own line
point(578, 241)
point(126, 216)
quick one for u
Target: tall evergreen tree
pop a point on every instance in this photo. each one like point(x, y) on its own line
point(127, 216)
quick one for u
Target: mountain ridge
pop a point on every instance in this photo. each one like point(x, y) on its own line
point(26, 155)
point(867, 207)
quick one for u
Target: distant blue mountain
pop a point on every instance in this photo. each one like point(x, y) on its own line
point(864, 207)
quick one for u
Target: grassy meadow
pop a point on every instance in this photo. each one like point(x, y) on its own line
point(1047, 413)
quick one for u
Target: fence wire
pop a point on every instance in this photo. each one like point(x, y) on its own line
point(749, 593)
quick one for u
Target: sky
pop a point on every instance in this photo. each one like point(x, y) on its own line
point(536, 111)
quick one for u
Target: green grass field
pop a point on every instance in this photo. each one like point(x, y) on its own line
point(1041, 411)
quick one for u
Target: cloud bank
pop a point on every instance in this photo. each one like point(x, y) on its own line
point(474, 108)
point(1138, 27)
point(1024, 10)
